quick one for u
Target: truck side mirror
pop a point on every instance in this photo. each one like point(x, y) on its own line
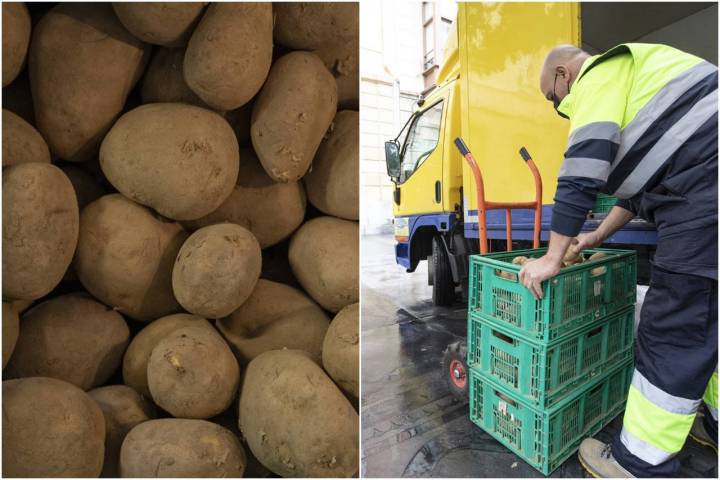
point(392, 159)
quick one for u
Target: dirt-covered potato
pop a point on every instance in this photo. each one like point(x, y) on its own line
point(216, 270)
point(83, 64)
point(310, 25)
point(164, 80)
point(341, 350)
point(71, 338)
point(123, 409)
point(192, 373)
point(10, 331)
point(125, 256)
point(50, 428)
point(270, 210)
point(21, 143)
point(229, 54)
point(275, 316)
point(87, 189)
point(291, 115)
point(174, 447)
point(136, 357)
point(15, 39)
point(178, 159)
point(160, 23)
point(324, 258)
point(332, 184)
point(343, 61)
point(294, 418)
point(40, 229)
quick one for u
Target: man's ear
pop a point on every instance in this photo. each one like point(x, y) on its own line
point(562, 71)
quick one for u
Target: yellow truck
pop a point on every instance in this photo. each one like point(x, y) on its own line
point(488, 94)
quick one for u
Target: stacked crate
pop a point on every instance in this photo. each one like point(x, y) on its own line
point(545, 374)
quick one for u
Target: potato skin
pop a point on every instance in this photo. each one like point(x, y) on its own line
point(216, 270)
point(164, 81)
point(341, 350)
point(229, 54)
point(123, 409)
point(324, 257)
point(275, 316)
point(83, 64)
point(50, 429)
point(160, 23)
point(21, 143)
point(180, 160)
point(332, 184)
point(71, 338)
point(40, 229)
point(174, 447)
point(137, 355)
point(15, 39)
point(295, 420)
point(310, 25)
point(270, 210)
point(10, 331)
point(192, 373)
point(125, 256)
point(343, 61)
point(291, 114)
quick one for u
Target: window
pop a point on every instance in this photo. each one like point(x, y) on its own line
point(422, 138)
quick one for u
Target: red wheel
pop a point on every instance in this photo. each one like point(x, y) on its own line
point(457, 374)
point(456, 370)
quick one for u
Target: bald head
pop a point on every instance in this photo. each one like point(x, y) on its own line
point(560, 70)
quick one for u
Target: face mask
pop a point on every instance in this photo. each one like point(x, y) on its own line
point(556, 100)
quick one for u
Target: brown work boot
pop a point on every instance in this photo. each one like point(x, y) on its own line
point(596, 457)
point(700, 435)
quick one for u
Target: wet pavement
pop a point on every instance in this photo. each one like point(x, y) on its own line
point(411, 425)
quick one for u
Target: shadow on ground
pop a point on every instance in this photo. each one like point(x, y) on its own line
point(411, 425)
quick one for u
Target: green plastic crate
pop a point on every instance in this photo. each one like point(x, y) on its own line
point(543, 374)
point(604, 203)
point(578, 295)
point(546, 438)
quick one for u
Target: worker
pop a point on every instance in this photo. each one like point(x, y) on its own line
point(643, 128)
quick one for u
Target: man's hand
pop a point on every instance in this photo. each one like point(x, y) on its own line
point(537, 271)
point(586, 240)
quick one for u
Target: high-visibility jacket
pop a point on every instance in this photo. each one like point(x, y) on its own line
point(630, 110)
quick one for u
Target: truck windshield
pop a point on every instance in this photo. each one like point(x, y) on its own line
point(421, 140)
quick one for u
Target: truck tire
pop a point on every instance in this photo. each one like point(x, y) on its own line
point(455, 369)
point(443, 292)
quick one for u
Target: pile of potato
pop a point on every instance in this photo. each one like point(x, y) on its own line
point(180, 239)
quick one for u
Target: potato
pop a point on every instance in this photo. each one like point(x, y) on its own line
point(164, 80)
point(192, 373)
point(216, 270)
point(15, 39)
point(178, 159)
point(229, 54)
point(87, 189)
point(173, 447)
point(270, 210)
point(341, 350)
point(21, 143)
point(83, 64)
point(294, 418)
point(125, 256)
point(123, 409)
point(324, 258)
point(40, 229)
point(50, 428)
point(332, 183)
point(10, 331)
point(310, 25)
point(136, 357)
point(343, 61)
point(291, 115)
point(71, 338)
point(275, 316)
point(160, 23)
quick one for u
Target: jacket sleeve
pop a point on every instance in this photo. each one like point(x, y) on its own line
point(598, 108)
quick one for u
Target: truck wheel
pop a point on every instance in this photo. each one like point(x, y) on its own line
point(443, 292)
point(455, 369)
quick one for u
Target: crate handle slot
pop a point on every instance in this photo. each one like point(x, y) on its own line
point(594, 332)
point(506, 399)
point(503, 337)
point(509, 276)
point(597, 271)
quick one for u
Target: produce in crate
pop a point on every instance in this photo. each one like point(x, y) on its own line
point(160, 23)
